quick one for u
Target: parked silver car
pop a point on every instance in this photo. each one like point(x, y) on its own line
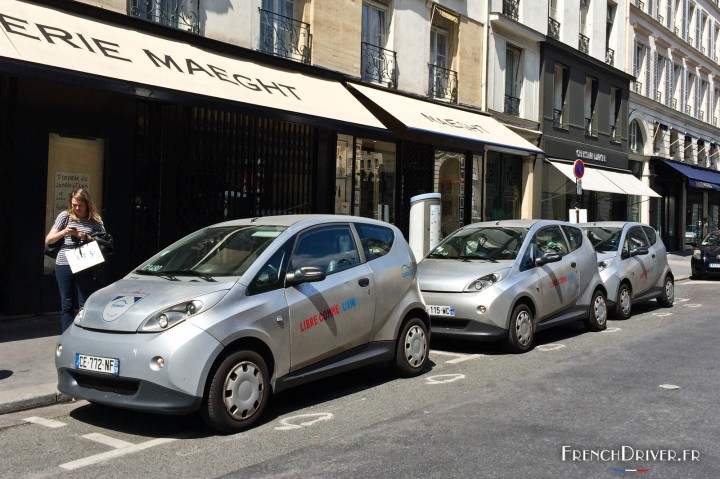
point(633, 264)
point(508, 279)
point(236, 311)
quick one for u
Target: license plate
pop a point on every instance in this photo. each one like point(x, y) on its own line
point(96, 364)
point(441, 310)
point(714, 265)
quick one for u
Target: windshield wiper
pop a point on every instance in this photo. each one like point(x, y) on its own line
point(189, 272)
point(161, 274)
point(485, 258)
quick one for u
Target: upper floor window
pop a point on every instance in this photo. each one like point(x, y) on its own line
point(180, 14)
point(443, 81)
point(635, 139)
point(560, 86)
point(591, 93)
point(374, 24)
point(615, 104)
point(281, 34)
point(377, 62)
point(513, 80)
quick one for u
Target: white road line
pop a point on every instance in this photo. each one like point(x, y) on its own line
point(460, 357)
point(107, 440)
point(550, 347)
point(87, 461)
point(44, 422)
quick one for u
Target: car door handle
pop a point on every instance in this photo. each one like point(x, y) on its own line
point(573, 264)
point(363, 282)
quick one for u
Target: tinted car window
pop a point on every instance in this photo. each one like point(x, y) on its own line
point(651, 234)
point(496, 242)
point(272, 274)
point(376, 240)
point(635, 239)
point(574, 236)
point(331, 249)
point(550, 240)
point(604, 239)
point(713, 239)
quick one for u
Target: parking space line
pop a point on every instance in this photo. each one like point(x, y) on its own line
point(87, 461)
point(107, 440)
point(44, 422)
point(460, 357)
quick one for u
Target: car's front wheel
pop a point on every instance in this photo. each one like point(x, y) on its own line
point(413, 348)
point(521, 330)
point(597, 318)
point(238, 392)
point(667, 298)
point(624, 302)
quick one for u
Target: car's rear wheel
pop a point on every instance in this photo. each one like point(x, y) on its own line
point(667, 298)
point(413, 348)
point(238, 392)
point(624, 302)
point(597, 318)
point(521, 330)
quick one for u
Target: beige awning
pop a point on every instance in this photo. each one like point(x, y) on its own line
point(606, 181)
point(430, 117)
point(50, 37)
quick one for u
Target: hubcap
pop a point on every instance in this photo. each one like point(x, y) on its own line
point(670, 290)
point(523, 328)
point(625, 301)
point(415, 346)
point(600, 310)
point(244, 389)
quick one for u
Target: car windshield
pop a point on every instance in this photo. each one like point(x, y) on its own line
point(215, 251)
point(488, 243)
point(713, 239)
point(604, 239)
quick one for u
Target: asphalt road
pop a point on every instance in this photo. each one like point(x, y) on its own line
point(580, 404)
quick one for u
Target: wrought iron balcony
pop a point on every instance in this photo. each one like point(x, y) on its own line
point(613, 133)
point(661, 19)
point(584, 44)
point(676, 31)
point(512, 105)
point(553, 28)
point(688, 110)
point(558, 118)
point(511, 8)
point(284, 36)
point(378, 65)
point(658, 96)
point(590, 129)
point(637, 87)
point(610, 56)
point(640, 4)
point(701, 115)
point(180, 14)
point(690, 40)
point(443, 83)
point(714, 121)
point(673, 103)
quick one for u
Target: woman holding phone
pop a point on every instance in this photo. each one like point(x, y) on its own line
point(74, 227)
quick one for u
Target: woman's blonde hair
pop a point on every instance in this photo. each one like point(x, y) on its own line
point(81, 194)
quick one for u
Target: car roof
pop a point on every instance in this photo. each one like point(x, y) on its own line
point(307, 219)
point(611, 224)
point(520, 223)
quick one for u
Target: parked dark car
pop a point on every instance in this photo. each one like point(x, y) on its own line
point(706, 256)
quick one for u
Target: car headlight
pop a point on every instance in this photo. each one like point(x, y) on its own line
point(485, 282)
point(697, 254)
point(169, 317)
point(79, 317)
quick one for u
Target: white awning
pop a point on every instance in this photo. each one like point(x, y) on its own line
point(606, 181)
point(433, 118)
point(50, 37)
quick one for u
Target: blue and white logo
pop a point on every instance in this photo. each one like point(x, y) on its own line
point(120, 304)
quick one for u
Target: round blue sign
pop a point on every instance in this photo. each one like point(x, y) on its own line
point(579, 169)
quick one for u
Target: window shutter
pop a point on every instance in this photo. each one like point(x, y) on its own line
point(636, 70)
point(648, 86)
point(685, 13)
point(669, 81)
point(656, 73)
point(698, 26)
point(669, 14)
point(683, 89)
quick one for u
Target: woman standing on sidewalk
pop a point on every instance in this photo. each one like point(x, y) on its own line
point(74, 226)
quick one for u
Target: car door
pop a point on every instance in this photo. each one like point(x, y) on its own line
point(558, 281)
point(638, 269)
point(658, 256)
point(337, 313)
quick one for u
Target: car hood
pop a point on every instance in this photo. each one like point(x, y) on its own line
point(606, 255)
point(453, 275)
point(125, 304)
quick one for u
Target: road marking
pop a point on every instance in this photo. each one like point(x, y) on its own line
point(692, 305)
point(669, 386)
point(107, 440)
point(550, 347)
point(88, 461)
point(44, 422)
point(449, 378)
point(460, 357)
point(682, 300)
point(662, 315)
point(612, 330)
point(287, 423)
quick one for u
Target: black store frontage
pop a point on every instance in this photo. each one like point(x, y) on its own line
point(169, 131)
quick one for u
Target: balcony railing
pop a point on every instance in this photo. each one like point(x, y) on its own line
point(690, 40)
point(676, 31)
point(613, 133)
point(661, 19)
point(558, 118)
point(180, 14)
point(512, 105)
point(637, 87)
point(379, 65)
point(640, 4)
point(553, 28)
point(590, 129)
point(610, 56)
point(658, 96)
point(673, 103)
point(443, 84)
point(688, 110)
point(584, 44)
point(511, 8)
point(714, 121)
point(701, 115)
point(284, 37)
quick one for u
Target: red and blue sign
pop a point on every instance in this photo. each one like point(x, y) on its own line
point(579, 169)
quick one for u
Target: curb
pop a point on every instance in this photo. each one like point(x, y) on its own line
point(32, 397)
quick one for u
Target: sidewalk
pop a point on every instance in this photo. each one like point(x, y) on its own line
point(27, 354)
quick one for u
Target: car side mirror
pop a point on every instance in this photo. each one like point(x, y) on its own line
point(306, 274)
point(548, 258)
point(639, 251)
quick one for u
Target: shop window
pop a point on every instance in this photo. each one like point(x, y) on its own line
point(72, 163)
point(450, 183)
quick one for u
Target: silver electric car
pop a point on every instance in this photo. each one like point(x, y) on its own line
point(505, 280)
point(633, 264)
point(234, 312)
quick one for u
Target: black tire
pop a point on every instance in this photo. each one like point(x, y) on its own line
point(521, 329)
point(623, 306)
point(667, 298)
point(238, 392)
point(412, 352)
point(597, 317)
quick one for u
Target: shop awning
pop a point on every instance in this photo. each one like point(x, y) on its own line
point(423, 116)
point(606, 181)
point(697, 177)
point(49, 37)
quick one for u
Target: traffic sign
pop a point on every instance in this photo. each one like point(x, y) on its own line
point(579, 169)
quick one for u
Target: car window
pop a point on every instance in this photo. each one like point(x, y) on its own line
point(490, 243)
point(574, 236)
point(550, 240)
point(651, 234)
point(330, 248)
point(635, 239)
point(376, 240)
point(272, 274)
point(713, 239)
point(604, 239)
